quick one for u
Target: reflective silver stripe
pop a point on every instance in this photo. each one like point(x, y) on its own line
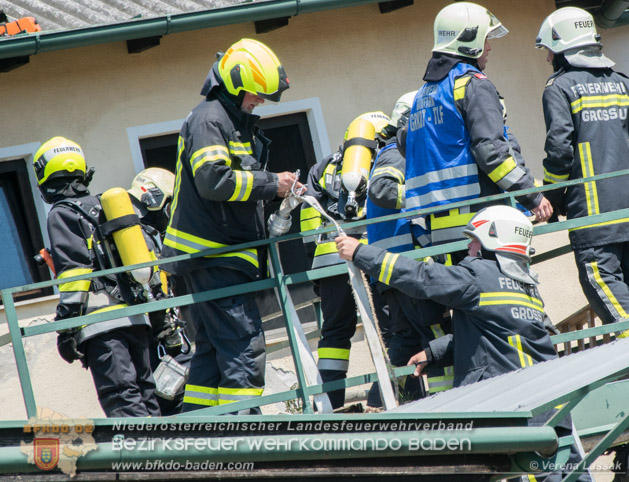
point(510, 179)
point(235, 398)
point(424, 240)
point(104, 326)
point(326, 260)
point(68, 297)
point(442, 175)
point(207, 393)
point(447, 234)
point(395, 241)
point(439, 386)
point(467, 190)
point(331, 364)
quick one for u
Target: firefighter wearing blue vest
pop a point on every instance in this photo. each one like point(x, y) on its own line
point(221, 184)
point(499, 323)
point(414, 322)
point(457, 146)
point(326, 184)
point(115, 351)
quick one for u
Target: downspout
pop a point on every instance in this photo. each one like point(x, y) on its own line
point(31, 44)
point(612, 14)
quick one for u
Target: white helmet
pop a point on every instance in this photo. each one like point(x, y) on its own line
point(567, 28)
point(378, 119)
point(508, 233)
point(461, 29)
point(401, 108)
point(153, 187)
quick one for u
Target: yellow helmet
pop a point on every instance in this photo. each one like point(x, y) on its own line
point(153, 187)
point(378, 119)
point(59, 157)
point(251, 66)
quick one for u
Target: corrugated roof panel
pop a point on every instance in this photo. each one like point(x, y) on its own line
point(529, 388)
point(72, 14)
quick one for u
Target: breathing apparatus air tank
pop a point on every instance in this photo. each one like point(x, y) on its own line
point(128, 239)
point(357, 162)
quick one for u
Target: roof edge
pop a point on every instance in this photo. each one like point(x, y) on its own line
point(39, 42)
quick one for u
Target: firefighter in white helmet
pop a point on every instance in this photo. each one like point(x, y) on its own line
point(498, 315)
point(585, 108)
point(115, 351)
point(457, 147)
point(331, 181)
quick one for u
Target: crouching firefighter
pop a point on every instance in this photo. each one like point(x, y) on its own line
point(115, 351)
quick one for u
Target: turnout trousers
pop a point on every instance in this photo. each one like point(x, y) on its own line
point(339, 325)
point(121, 369)
point(229, 359)
point(604, 273)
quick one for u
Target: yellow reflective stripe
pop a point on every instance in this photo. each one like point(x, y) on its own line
point(330, 169)
point(599, 280)
point(242, 178)
point(325, 248)
point(437, 330)
point(401, 194)
point(200, 401)
point(310, 218)
point(82, 285)
point(516, 342)
point(508, 298)
point(624, 334)
point(587, 167)
point(605, 223)
point(592, 101)
point(240, 148)
point(386, 270)
point(532, 478)
point(110, 308)
point(253, 392)
point(178, 166)
point(396, 173)
point(503, 169)
point(510, 294)
point(453, 219)
point(209, 154)
point(90, 242)
point(555, 178)
point(201, 389)
point(459, 87)
point(250, 255)
point(334, 353)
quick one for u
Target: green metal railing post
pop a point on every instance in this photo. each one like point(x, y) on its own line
point(19, 354)
point(282, 289)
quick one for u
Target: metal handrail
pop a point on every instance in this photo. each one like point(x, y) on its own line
point(280, 279)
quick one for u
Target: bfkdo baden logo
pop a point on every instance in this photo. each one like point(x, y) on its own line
point(46, 453)
point(57, 441)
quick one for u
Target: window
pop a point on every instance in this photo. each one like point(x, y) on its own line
point(20, 237)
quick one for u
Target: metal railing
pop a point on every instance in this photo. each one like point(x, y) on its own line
point(282, 282)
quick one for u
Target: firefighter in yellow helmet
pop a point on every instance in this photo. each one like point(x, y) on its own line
point(221, 185)
point(339, 183)
point(115, 351)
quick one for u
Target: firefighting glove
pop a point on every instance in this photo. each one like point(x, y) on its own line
point(67, 347)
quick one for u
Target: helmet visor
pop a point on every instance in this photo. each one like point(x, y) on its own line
point(283, 84)
point(496, 29)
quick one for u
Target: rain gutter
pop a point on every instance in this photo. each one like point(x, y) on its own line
point(613, 14)
point(36, 43)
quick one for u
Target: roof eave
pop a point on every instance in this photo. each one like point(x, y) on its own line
point(32, 44)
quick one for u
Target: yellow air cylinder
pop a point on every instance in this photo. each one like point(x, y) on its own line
point(357, 158)
point(129, 241)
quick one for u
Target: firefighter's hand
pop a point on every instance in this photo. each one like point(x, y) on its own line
point(544, 210)
point(67, 348)
point(346, 247)
point(285, 182)
point(419, 360)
